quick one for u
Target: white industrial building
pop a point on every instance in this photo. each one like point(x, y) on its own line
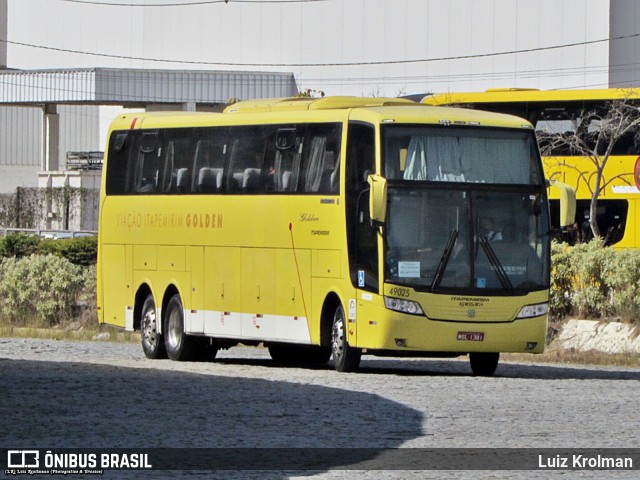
point(339, 47)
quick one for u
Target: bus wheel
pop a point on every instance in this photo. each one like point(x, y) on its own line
point(152, 341)
point(484, 364)
point(345, 358)
point(179, 345)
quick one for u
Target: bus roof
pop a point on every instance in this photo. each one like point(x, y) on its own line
point(310, 103)
point(519, 95)
point(292, 110)
point(384, 108)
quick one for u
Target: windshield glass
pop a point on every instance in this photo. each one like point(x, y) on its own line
point(439, 153)
point(459, 240)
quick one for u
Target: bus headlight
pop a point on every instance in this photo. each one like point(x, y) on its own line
point(404, 306)
point(534, 310)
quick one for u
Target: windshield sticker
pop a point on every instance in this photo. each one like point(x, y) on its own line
point(512, 270)
point(409, 269)
point(481, 283)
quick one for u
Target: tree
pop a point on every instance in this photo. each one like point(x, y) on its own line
point(597, 133)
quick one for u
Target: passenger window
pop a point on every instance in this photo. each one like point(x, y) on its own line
point(209, 161)
point(321, 162)
point(287, 155)
point(176, 171)
point(120, 157)
point(148, 164)
point(246, 158)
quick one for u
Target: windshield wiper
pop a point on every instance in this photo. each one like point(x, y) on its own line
point(495, 261)
point(444, 259)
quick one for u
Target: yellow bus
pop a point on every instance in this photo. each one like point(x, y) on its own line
point(326, 228)
point(563, 111)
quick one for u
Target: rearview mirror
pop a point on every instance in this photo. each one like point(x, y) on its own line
point(567, 202)
point(377, 199)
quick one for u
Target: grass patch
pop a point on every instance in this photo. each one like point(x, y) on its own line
point(556, 355)
point(71, 332)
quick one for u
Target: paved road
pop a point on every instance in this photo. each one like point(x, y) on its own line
point(58, 394)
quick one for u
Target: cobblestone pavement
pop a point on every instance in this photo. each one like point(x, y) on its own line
point(58, 394)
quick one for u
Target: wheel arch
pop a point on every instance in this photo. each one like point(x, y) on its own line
point(144, 290)
point(168, 293)
point(331, 302)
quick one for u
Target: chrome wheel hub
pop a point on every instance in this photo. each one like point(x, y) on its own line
point(149, 328)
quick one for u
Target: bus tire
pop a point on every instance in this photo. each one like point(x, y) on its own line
point(178, 344)
point(484, 364)
point(151, 339)
point(345, 357)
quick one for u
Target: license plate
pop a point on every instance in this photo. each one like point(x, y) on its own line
point(471, 336)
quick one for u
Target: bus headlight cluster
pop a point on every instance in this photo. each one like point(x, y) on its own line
point(534, 310)
point(404, 306)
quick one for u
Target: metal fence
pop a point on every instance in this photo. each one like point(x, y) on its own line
point(53, 234)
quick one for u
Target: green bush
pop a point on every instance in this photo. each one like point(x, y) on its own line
point(623, 280)
point(18, 245)
point(39, 290)
point(560, 303)
point(86, 302)
point(594, 281)
point(79, 250)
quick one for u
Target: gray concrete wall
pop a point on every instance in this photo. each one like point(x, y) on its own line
point(3, 33)
point(624, 53)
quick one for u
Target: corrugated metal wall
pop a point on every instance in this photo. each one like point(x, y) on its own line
point(40, 86)
point(79, 127)
point(21, 141)
point(156, 86)
point(20, 133)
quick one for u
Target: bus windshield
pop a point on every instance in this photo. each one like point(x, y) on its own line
point(456, 154)
point(478, 223)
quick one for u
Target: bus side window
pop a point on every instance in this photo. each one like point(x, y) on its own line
point(247, 155)
point(120, 158)
point(175, 177)
point(287, 170)
point(315, 164)
point(321, 162)
point(286, 161)
point(148, 164)
point(209, 161)
point(168, 173)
